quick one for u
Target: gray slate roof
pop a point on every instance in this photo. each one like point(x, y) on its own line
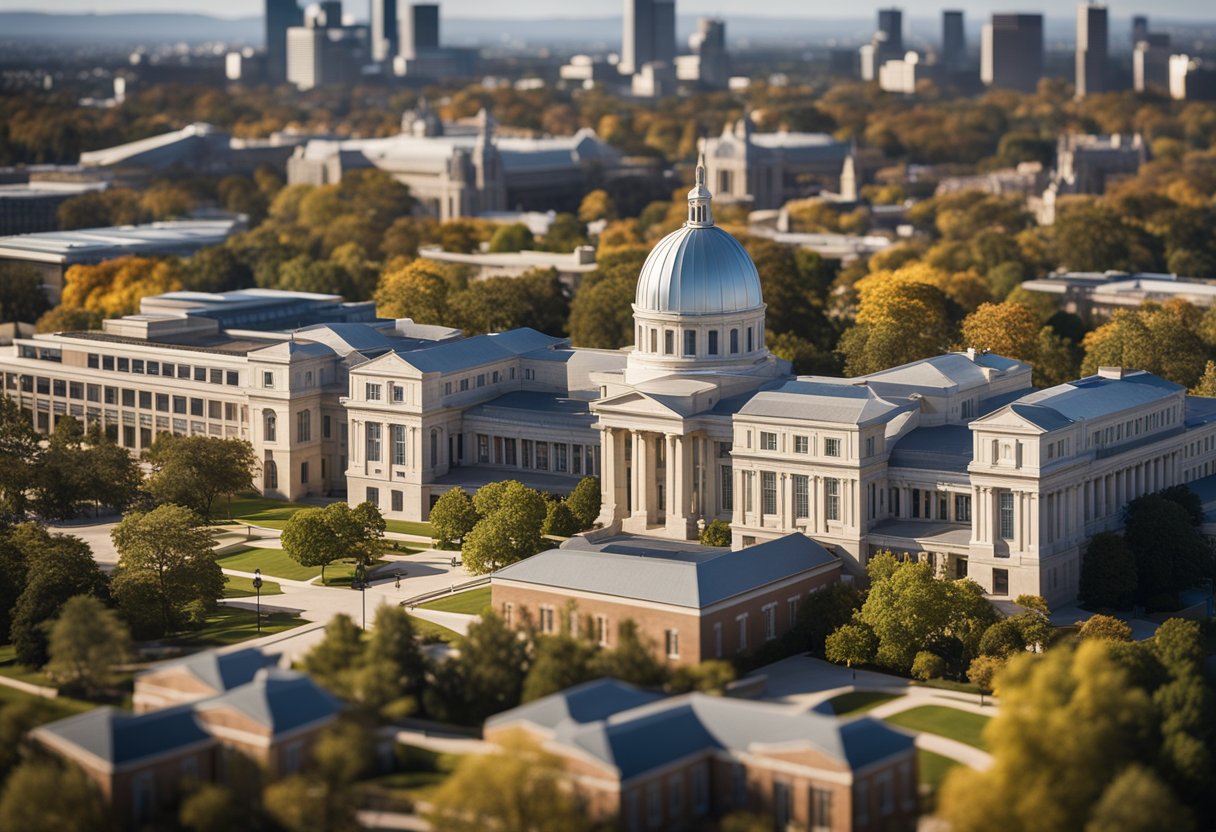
point(641, 739)
point(278, 700)
point(668, 572)
point(220, 671)
point(1093, 397)
point(588, 702)
point(453, 356)
point(528, 407)
point(121, 737)
point(819, 401)
point(942, 448)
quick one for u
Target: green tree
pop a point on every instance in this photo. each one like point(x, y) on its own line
point(43, 795)
point(601, 314)
point(303, 803)
point(57, 567)
point(22, 298)
point(360, 530)
point(851, 644)
point(1108, 573)
point(710, 677)
point(336, 660)
point(513, 237)
point(393, 671)
point(212, 807)
point(534, 299)
point(518, 788)
point(560, 661)
point(1003, 639)
point(192, 471)
point(164, 556)
point(1138, 801)
point(1170, 553)
point(717, 533)
point(928, 666)
point(485, 679)
point(87, 642)
point(983, 670)
point(112, 477)
point(19, 456)
point(453, 516)
point(1155, 339)
point(509, 529)
point(824, 611)
point(60, 486)
point(309, 540)
point(584, 501)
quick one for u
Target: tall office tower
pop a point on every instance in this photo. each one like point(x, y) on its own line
point(280, 16)
point(1093, 47)
point(1151, 62)
point(1139, 28)
point(663, 45)
point(954, 40)
point(419, 30)
point(708, 44)
point(331, 14)
point(889, 39)
point(1011, 52)
point(385, 33)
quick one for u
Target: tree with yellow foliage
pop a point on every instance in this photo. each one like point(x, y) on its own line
point(902, 316)
point(597, 205)
point(114, 288)
point(419, 291)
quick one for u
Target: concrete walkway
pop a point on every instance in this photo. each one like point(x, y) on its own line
point(968, 755)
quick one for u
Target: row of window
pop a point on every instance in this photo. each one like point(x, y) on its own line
point(481, 379)
point(832, 446)
point(801, 492)
point(128, 397)
point(1133, 427)
point(270, 473)
point(541, 456)
point(270, 426)
point(140, 366)
point(712, 346)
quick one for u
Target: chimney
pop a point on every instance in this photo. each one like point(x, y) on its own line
point(1116, 373)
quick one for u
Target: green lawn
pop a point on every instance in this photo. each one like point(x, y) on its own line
point(859, 701)
point(430, 630)
point(20, 672)
point(470, 602)
point(950, 684)
point(230, 625)
point(275, 563)
point(259, 511)
point(50, 709)
point(933, 769)
point(238, 587)
point(963, 726)
point(409, 527)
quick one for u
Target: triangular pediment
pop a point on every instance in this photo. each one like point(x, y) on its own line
point(634, 402)
point(1022, 419)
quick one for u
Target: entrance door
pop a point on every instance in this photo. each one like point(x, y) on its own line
point(960, 568)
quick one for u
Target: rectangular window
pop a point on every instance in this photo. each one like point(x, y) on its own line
point(793, 609)
point(162, 402)
point(398, 393)
point(397, 500)
point(304, 473)
point(326, 427)
point(542, 456)
point(768, 441)
point(373, 392)
point(831, 447)
point(304, 426)
point(713, 342)
point(547, 620)
point(398, 432)
point(464, 384)
point(179, 404)
point(821, 809)
point(1006, 512)
point(869, 446)
point(200, 373)
point(690, 342)
point(481, 379)
point(107, 362)
point(673, 644)
point(1000, 581)
point(831, 492)
point(560, 456)
point(802, 502)
point(124, 365)
point(962, 508)
point(768, 488)
point(728, 488)
point(601, 630)
point(669, 342)
point(508, 452)
point(734, 341)
point(525, 451)
point(128, 397)
point(802, 444)
point(576, 460)
point(742, 619)
point(232, 378)
point(373, 442)
point(373, 496)
point(267, 378)
point(483, 448)
point(770, 621)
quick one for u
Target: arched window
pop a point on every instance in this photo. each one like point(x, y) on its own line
point(734, 341)
point(271, 472)
point(271, 423)
point(434, 448)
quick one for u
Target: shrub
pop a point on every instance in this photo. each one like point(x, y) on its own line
point(1105, 628)
point(716, 533)
point(559, 520)
point(928, 666)
point(983, 671)
point(584, 502)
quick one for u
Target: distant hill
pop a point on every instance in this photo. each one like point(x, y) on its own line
point(133, 27)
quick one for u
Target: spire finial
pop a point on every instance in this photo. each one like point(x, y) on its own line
point(701, 169)
point(699, 198)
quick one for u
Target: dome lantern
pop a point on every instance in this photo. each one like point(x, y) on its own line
point(700, 200)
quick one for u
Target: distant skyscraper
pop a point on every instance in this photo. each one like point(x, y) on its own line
point(1139, 28)
point(419, 29)
point(385, 33)
point(280, 16)
point(708, 44)
point(649, 34)
point(1151, 62)
point(1093, 47)
point(1011, 54)
point(954, 40)
point(889, 43)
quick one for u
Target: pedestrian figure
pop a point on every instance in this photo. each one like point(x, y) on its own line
point(453, 561)
point(398, 582)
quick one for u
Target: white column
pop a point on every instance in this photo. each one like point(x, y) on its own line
point(671, 474)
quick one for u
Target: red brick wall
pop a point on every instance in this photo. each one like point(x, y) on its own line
point(696, 629)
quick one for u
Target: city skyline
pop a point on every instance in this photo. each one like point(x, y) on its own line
point(1180, 9)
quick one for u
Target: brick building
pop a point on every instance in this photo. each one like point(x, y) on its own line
point(663, 763)
point(200, 676)
point(142, 762)
point(692, 602)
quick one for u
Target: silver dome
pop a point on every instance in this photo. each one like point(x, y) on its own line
point(699, 271)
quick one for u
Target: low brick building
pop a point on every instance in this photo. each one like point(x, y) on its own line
point(142, 763)
point(660, 763)
point(693, 602)
point(200, 676)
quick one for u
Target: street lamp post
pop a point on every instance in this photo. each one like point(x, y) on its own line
point(361, 579)
point(257, 587)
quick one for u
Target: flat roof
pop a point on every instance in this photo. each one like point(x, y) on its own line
point(91, 244)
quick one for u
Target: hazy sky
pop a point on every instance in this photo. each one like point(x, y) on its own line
point(1193, 9)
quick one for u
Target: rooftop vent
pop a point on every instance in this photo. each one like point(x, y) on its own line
point(1116, 373)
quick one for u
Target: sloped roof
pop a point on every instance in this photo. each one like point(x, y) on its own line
point(941, 448)
point(219, 671)
point(453, 356)
point(668, 572)
point(819, 401)
point(534, 408)
point(644, 738)
point(1093, 397)
point(588, 702)
point(120, 737)
point(278, 700)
